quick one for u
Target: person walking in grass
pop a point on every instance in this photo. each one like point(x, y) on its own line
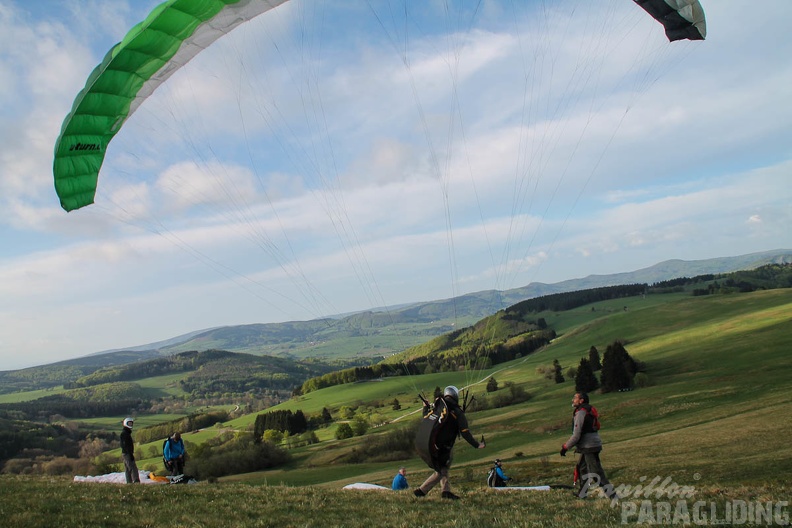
point(128, 453)
point(587, 442)
point(454, 424)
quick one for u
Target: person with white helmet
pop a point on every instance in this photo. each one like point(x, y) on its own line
point(454, 423)
point(128, 453)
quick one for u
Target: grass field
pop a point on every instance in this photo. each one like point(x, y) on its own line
point(56, 502)
point(16, 397)
point(714, 420)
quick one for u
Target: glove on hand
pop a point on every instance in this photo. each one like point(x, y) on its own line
point(563, 450)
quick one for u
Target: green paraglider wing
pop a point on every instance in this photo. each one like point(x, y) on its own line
point(682, 19)
point(172, 34)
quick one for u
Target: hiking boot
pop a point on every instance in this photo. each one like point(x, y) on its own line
point(418, 493)
point(449, 495)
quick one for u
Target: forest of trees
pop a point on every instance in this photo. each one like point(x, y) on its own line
point(559, 302)
point(17, 436)
point(284, 421)
point(617, 371)
point(469, 357)
point(213, 371)
point(45, 408)
point(768, 277)
point(354, 374)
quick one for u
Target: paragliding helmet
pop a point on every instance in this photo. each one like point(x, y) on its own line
point(128, 422)
point(453, 392)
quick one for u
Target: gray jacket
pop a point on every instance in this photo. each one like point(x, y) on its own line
point(585, 442)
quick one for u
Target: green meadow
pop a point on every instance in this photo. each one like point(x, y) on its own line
point(712, 418)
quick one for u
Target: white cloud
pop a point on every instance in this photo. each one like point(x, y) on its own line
point(334, 179)
point(188, 183)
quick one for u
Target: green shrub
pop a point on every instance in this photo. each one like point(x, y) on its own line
point(359, 426)
point(642, 380)
point(344, 431)
point(398, 444)
point(513, 395)
point(237, 456)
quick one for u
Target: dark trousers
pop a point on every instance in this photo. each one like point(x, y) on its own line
point(176, 466)
point(130, 469)
point(591, 474)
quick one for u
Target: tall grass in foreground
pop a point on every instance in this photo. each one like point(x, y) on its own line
point(55, 502)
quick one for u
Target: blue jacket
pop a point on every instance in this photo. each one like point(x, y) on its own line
point(173, 449)
point(399, 482)
point(500, 473)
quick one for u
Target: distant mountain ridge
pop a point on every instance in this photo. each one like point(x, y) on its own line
point(472, 305)
point(422, 320)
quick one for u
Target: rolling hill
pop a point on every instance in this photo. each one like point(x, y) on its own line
point(366, 336)
point(717, 380)
point(716, 366)
point(382, 331)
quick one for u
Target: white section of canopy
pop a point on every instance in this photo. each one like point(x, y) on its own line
point(691, 11)
point(524, 488)
point(118, 478)
point(146, 477)
point(230, 17)
point(364, 486)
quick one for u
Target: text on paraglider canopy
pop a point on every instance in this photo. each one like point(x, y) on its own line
point(85, 146)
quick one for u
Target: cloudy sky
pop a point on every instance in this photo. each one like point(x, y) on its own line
point(322, 160)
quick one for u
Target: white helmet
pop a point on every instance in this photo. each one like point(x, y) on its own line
point(128, 422)
point(452, 391)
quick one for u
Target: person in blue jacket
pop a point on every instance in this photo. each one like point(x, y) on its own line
point(497, 478)
point(499, 470)
point(400, 480)
point(173, 453)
